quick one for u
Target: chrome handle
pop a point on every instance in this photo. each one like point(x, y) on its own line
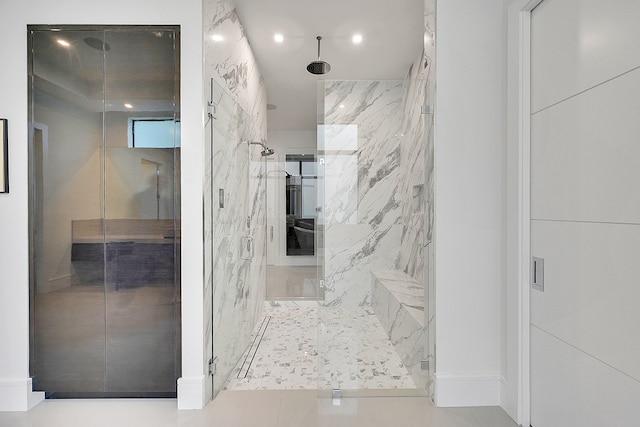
point(271, 234)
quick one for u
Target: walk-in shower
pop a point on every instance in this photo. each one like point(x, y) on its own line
point(357, 212)
point(357, 208)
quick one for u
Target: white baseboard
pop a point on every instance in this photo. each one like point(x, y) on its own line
point(18, 395)
point(467, 390)
point(509, 398)
point(191, 392)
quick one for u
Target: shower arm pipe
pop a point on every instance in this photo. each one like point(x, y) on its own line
point(258, 143)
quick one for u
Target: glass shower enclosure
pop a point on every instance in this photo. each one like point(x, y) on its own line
point(374, 238)
point(104, 201)
point(230, 246)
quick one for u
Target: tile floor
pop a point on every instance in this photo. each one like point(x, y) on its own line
point(303, 348)
point(365, 364)
point(257, 408)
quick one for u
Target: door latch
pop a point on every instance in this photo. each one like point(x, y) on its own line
point(537, 273)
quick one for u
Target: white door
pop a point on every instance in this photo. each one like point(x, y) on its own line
point(585, 213)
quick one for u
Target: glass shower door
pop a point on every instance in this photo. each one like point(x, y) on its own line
point(372, 333)
point(231, 244)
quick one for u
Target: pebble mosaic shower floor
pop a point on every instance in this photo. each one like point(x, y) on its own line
point(351, 352)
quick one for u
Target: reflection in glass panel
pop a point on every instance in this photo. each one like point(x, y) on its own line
point(104, 218)
point(300, 194)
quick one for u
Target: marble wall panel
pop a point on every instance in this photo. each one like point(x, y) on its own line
point(235, 286)
point(416, 183)
point(361, 151)
point(398, 301)
point(430, 77)
point(378, 151)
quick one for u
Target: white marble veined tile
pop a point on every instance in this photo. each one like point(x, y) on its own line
point(416, 191)
point(361, 174)
point(377, 190)
point(398, 301)
point(407, 291)
point(353, 251)
point(429, 75)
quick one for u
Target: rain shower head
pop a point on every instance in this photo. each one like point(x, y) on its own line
point(318, 67)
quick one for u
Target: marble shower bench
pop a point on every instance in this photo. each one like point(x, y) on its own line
point(398, 301)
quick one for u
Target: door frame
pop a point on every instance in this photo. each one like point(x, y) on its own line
point(35, 188)
point(519, 199)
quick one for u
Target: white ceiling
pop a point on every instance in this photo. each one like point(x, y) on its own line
point(392, 31)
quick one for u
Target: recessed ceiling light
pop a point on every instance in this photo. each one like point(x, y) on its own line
point(279, 38)
point(357, 38)
point(127, 105)
point(64, 43)
point(217, 38)
point(341, 105)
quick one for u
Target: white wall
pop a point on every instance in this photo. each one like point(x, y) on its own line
point(15, 385)
point(72, 186)
point(469, 177)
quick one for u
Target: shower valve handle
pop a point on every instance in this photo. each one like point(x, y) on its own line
point(249, 246)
